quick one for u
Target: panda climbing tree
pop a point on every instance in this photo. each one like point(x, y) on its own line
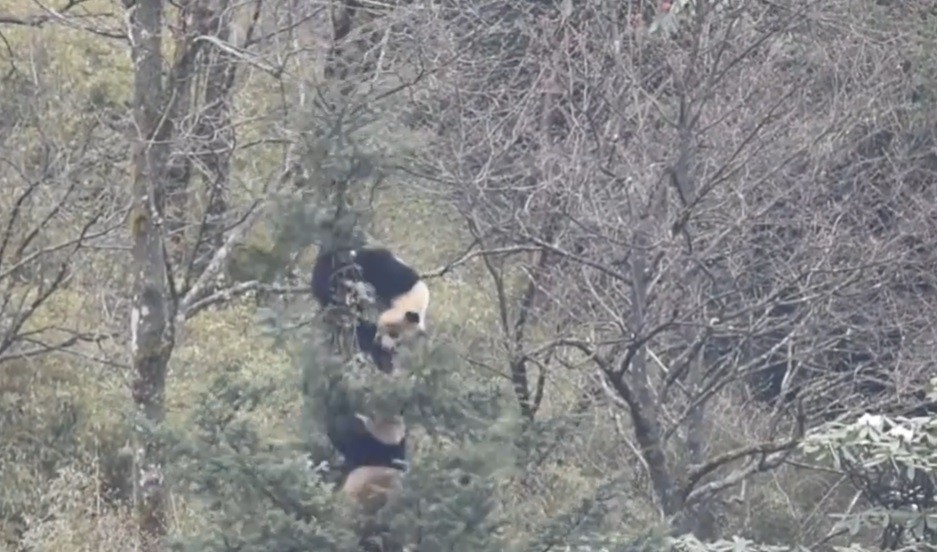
point(374, 455)
point(401, 298)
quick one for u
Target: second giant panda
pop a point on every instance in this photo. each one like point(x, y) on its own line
point(401, 294)
point(375, 457)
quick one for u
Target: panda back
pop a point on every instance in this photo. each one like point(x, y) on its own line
point(390, 276)
point(329, 264)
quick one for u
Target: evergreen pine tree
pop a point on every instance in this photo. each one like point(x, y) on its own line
point(267, 496)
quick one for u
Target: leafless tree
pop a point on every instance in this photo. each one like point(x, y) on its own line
point(182, 237)
point(56, 209)
point(184, 125)
point(689, 234)
point(43, 202)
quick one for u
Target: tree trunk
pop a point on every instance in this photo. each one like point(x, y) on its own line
point(635, 387)
point(152, 336)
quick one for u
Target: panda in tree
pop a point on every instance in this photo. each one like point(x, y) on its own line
point(374, 457)
point(402, 297)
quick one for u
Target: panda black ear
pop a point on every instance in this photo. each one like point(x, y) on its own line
point(412, 317)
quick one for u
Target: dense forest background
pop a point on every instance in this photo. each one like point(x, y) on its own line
point(681, 253)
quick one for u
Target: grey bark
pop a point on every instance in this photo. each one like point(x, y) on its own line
point(151, 319)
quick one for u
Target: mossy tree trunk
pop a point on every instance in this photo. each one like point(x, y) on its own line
point(152, 314)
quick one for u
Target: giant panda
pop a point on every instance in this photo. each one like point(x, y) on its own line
point(403, 295)
point(375, 457)
point(402, 298)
